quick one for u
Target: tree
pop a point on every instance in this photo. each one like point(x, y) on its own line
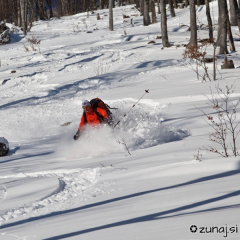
point(154, 18)
point(137, 4)
point(23, 4)
point(158, 4)
point(175, 4)
point(193, 24)
point(111, 15)
point(42, 9)
point(19, 18)
point(238, 13)
point(222, 29)
point(230, 36)
point(100, 3)
point(146, 17)
point(233, 12)
point(224, 121)
point(209, 19)
point(49, 2)
point(165, 41)
point(141, 7)
point(186, 2)
point(171, 8)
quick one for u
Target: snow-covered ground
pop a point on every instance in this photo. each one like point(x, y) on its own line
point(52, 187)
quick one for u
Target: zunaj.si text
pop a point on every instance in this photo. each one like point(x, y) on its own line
point(224, 230)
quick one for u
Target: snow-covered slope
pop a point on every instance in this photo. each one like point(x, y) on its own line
point(52, 187)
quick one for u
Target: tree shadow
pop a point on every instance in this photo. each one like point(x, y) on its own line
point(104, 79)
point(150, 217)
point(139, 194)
point(15, 37)
point(25, 156)
point(83, 60)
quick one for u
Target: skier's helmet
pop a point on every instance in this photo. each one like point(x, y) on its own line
point(85, 103)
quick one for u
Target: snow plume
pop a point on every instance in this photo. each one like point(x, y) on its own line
point(143, 127)
point(93, 141)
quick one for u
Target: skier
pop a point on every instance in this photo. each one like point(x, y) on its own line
point(93, 115)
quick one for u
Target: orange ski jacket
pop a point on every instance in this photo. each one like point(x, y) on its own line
point(92, 118)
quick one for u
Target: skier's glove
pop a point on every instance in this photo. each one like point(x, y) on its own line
point(76, 136)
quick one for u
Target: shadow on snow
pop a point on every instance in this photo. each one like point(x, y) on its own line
point(150, 217)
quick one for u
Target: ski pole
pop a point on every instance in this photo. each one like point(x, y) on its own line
point(146, 91)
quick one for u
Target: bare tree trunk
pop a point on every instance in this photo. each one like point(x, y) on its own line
point(214, 64)
point(165, 41)
point(158, 3)
point(171, 8)
point(142, 7)
point(198, 3)
point(119, 3)
point(49, 2)
point(193, 24)
point(19, 23)
point(14, 12)
point(186, 2)
point(222, 30)
point(75, 7)
point(175, 4)
point(23, 15)
point(154, 18)
point(209, 18)
point(26, 15)
point(43, 9)
point(137, 4)
point(238, 13)
point(106, 3)
point(233, 12)
point(32, 12)
point(65, 7)
point(230, 36)
point(111, 15)
point(146, 17)
point(100, 4)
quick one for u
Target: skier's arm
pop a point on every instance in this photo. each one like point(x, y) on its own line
point(82, 122)
point(102, 112)
point(107, 118)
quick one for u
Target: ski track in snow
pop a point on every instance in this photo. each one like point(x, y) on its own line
point(74, 186)
point(14, 236)
point(3, 193)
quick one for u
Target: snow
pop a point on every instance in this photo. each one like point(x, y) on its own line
point(52, 187)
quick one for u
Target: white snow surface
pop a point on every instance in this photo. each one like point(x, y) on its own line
point(52, 187)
